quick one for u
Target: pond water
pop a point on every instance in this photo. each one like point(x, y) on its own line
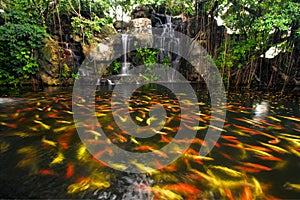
point(256, 157)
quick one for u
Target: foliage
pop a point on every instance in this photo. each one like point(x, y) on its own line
point(148, 58)
point(257, 26)
point(20, 38)
point(87, 28)
point(116, 66)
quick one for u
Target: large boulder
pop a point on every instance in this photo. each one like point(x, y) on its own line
point(141, 29)
point(142, 11)
point(57, 62)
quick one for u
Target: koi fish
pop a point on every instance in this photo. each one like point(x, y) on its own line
point(106, 150)
point(259, 152)
point(121, 138)
point(70, 170)
point(144, 168)
point(64, 122)
point(165, 194)
point(248, 121)
point(123, 119)
point(246, 193)
point(271, 158)
point(227, 156)
point(118, 166)
point(230, 138)
point(257, 188)
point(46, 172)
point(183, 188)
point(68, 112)
point(26, 150)
point(148, 121)
point(164, 139)
point(227, 171)
point(274, 148)
point(48, 142)
point(149, 148)
point(257, 166)
point(139, 119)
point(8, 125)
point(94, 132)
point(260, 148)
point(45, 126)
point(292, 186)
point(291, 118)
point(196, 128)
point(246, 169)
point(217, 128)
point(54, 115)
point(110, 127)
point(58, 159)
point(132, 139)
point(61, 129)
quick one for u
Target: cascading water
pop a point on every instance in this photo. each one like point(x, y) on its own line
point(125, 64)
point(167, 40)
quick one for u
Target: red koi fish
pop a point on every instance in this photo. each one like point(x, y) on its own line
point(70, 170)
point(106, 150)
point(246, 169)
point(46, 172)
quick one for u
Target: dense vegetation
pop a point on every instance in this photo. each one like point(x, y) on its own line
point(239, 47)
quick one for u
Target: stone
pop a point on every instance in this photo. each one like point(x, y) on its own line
point(142, 11)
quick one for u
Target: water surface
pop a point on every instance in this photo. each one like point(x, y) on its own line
point(256, 157)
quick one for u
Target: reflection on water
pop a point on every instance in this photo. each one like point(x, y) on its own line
point(261, 110)
point(257, 156)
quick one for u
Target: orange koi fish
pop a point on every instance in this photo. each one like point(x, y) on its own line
point(228, 193)
point(246, 194)
point(272, 158)
point(257, 166)
point(164, 139)
point(183, 188)
point(121, 137)
point(149, 148)
point(227, 156)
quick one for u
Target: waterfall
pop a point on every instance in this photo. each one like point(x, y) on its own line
point(125, 65)
point(167, 40)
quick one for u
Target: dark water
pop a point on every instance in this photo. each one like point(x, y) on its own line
point(256, 157)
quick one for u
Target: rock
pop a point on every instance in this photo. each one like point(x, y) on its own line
point(140, 23)
point(142, 11)
point(102, 52)
point(121, 26)
point(48, 80)
point(141, 29)
point(57, 62)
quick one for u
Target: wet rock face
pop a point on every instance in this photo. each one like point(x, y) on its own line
point(142, 11)
point(58, 60)
point(121, 26)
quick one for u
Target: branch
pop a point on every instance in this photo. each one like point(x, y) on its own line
point(73, 9)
